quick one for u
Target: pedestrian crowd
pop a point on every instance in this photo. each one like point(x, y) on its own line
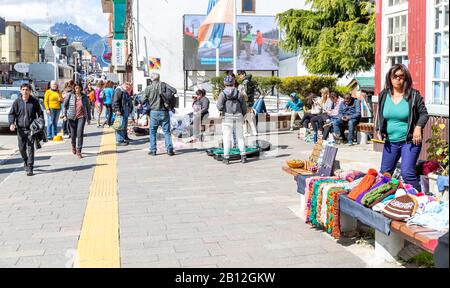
point(401, 116)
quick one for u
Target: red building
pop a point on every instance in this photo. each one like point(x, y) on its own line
point(416, 33)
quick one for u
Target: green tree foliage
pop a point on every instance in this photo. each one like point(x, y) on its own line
point(267, 84)
point(303, 85)
point(334, 37)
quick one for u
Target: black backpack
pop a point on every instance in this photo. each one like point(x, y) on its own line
point(168, 96)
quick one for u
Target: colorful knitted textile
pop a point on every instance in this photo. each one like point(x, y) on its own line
point(314, 208)
point(364, 185)
point(380, 192)
point(384, 180)
point(334, 222)
point(349, 186)
point(308, 192)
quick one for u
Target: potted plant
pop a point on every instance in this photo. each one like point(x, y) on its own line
point(438, 152)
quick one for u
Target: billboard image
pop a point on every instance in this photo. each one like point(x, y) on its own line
point(258, 38)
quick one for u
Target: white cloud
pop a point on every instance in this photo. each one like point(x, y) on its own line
point(40, 15)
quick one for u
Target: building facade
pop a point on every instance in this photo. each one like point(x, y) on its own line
point(416, 33)
point(157, 30)
point(20, 44)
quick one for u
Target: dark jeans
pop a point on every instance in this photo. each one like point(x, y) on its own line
point(66, 127)
point(338, 127)
point(160, 118)
point(317, 123)
point(409, 154)
point(26, 146)
point(259, 49)
point(77, 132)
point(327, 129)
point(108, 114)
point(306, 119)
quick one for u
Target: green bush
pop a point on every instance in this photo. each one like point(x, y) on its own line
point(341, 90)
point(266, 84)
point(217, 86)
point(303, 85)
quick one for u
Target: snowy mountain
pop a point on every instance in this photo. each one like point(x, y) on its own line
point(94, 43)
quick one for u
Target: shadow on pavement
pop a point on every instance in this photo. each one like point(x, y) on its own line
point(191, 150)
point(20, 161)
point(73, 168)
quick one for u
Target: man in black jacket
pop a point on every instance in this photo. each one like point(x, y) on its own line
point(23, 112)
point(122, 106)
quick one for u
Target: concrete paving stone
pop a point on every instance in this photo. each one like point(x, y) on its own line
point(8, 262)
point(184, 255)
point(158, 264)
point(45, 235)
point(138, 258)
point(194, 247)
point(214, 238)
point(199, 261)
point(22, 253)
point(28, 262)
point(145, 252)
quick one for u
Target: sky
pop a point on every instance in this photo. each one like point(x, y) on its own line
point(40, 15)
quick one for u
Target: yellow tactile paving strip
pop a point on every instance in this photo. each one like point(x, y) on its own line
point(98, 245)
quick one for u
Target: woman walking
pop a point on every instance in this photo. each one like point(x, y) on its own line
point(99, 98)
point(77, 111)
point(68, 88)
point(52, 103)
point(402, 115)
point(107, 101)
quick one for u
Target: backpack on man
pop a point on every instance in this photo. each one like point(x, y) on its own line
point(168, 97)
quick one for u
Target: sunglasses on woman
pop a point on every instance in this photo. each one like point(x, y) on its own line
point(398, 77)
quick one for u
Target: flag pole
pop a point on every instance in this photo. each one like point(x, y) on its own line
point(234, 39)
point(217, 62)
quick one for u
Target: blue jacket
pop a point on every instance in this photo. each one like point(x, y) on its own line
point(295, 105)
point(352, 111)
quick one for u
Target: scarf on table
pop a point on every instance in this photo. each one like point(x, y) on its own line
point(364, 185)
point(379, 193)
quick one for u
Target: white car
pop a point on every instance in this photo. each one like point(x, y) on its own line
point(7, 96)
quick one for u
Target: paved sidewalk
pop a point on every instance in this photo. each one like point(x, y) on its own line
point(192, 211)
point(183, 211)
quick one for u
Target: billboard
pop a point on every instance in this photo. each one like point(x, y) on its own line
point(2, 26)
point(258, 38)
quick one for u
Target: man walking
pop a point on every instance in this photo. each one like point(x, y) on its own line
point(23, 112)
point(159, 113)
point(122, 107)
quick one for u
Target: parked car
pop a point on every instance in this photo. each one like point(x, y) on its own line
point(7, 96)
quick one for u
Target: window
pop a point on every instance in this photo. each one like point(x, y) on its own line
point(397, 39)
point(248, 6)
point(396, 2)
point(440, 56)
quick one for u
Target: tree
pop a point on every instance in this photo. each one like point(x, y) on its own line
point(334, 37)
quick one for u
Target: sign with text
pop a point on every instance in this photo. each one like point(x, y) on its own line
point(257, 45)
point(118, 54)
point(22, 67)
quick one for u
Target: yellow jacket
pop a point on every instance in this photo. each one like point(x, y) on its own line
point(52, 99)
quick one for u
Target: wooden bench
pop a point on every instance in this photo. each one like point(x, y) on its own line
point(388, 247)
point(314, 157)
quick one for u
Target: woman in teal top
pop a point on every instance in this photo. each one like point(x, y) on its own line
point(402, 115)
point(109, 93)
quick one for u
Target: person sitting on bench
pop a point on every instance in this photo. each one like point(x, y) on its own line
point(349, 114)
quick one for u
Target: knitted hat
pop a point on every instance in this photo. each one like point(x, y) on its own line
point(364, 185)
point(228, 80)
point(401, 208)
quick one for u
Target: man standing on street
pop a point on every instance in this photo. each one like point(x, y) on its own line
point(23, 112)
point(159, 114)
point(121, 105)
point(248, 90)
